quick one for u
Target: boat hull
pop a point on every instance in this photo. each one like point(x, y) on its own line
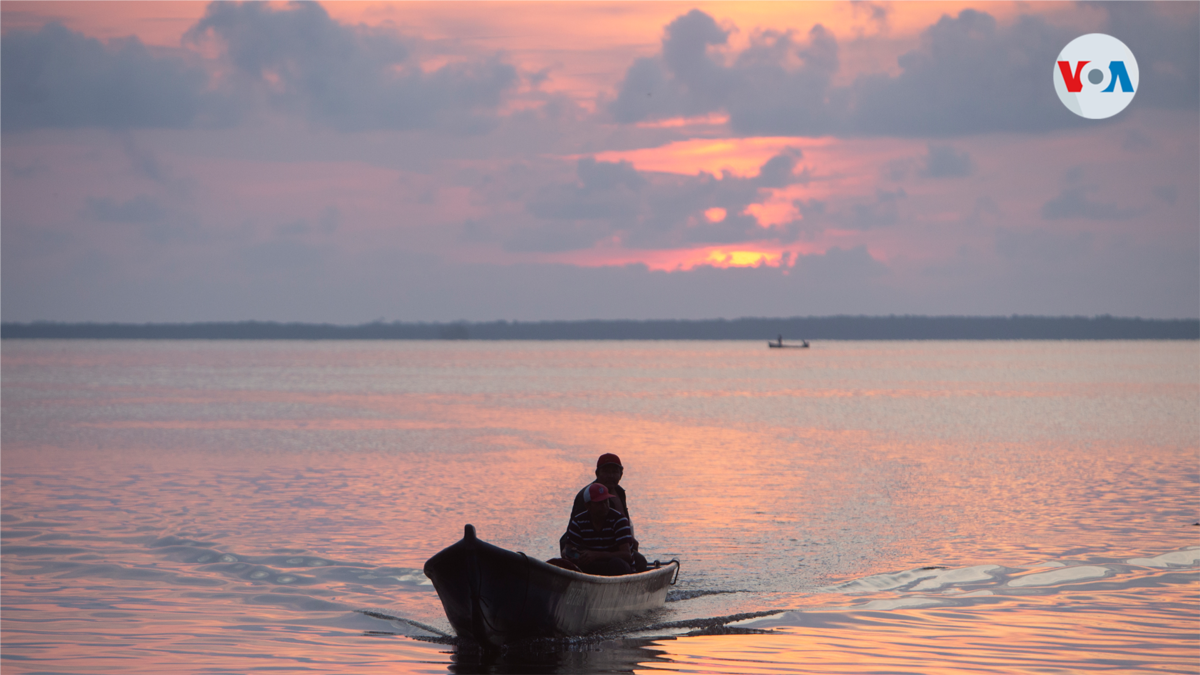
point(494, 596)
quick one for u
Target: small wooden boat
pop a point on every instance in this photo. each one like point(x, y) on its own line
point(494, 597)
point(778, 344)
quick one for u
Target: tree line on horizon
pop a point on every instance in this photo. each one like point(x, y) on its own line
point(796, 328)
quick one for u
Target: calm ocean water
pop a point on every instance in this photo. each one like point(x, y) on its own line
point(858, 507)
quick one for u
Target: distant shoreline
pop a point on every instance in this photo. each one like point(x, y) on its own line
point(795, 328)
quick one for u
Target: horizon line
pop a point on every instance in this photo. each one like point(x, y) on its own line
point(451, 322)
point(838, 327)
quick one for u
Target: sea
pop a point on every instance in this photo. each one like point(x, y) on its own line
point(855, 507)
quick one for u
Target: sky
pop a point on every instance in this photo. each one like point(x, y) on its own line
point(354, 162)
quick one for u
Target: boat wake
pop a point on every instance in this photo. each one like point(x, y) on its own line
point(986, 588)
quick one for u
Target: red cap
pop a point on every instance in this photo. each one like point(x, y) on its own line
point(596, 492)
point(608, 458)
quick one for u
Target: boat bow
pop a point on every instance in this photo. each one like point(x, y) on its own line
point(495, 596)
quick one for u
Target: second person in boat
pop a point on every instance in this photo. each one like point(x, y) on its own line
point(599, 538)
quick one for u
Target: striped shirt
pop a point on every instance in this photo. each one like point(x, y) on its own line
point(580, 503)
point(583, 535)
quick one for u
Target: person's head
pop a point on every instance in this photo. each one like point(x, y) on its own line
point(596, 498)
point(609, 470)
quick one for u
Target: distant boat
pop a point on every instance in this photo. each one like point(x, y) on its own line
point(493, 596)
point(778, 344)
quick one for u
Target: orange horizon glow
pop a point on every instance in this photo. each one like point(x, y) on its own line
point(713, 119)
point(741, 157)
point(719, 258)
point(682, 260)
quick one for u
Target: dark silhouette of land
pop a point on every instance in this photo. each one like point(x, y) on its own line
point(796, 328)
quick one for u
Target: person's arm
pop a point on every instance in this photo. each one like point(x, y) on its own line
point(625, 508)
point(565, 545)
point(573, 548)
point(624, 540)
point(576, 507)
point(622, 552)
point(633, 544)
point(582, 555)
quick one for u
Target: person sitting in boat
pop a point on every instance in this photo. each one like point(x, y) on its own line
point(608, 473)
point(599, 537)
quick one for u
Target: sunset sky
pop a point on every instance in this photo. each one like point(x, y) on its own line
point(350, 162)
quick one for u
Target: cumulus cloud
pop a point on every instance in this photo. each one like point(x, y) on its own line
point(777, 97)
point(968, 75)
point(761, 92)
point(350, 77)
point(605, 190)
point(614, 201)
point(295, 59)
point(56, 77)
point(684, 80)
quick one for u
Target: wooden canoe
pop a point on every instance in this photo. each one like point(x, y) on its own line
point(494, 597)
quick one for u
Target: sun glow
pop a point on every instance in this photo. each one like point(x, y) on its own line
point(713, 119)
point(682, 260)
point(718, 258)
point(778, 209)
point(738, 156)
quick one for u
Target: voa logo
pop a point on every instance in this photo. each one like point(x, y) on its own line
point(1096, 76)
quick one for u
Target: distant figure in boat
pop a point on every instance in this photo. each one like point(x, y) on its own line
point(599, 538)
point(778, 343)
point(609, 471)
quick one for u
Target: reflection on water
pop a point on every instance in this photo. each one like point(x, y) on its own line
point(995, 507)
point(607, 656)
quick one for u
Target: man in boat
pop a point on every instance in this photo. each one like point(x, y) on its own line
point(608, 473)
point(599, 537)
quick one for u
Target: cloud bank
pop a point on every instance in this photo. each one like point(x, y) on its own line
point(970, 75)
point(58, 78)
point(295, 60)
point(613, 202)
